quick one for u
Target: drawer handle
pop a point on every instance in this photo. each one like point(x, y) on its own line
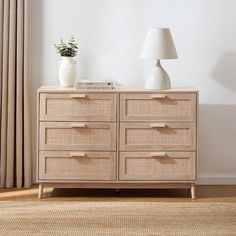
point(157, 96)
point(78, 95)
point(78, 154)
point(78, 125)
point(158, 125)
point(158, 154)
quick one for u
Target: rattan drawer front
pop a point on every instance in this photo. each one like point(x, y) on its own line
point(62, 165)
point(157, 166)
point(78, 107)
point(157, 106)
point(158, 136)
point(77, 135)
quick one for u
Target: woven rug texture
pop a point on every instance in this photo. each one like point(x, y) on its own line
point(116, 218)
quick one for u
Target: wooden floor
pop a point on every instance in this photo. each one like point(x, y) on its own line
point(204, 194)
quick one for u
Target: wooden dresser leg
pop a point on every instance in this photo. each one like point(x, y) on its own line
point(40, 195)
point(193, 191)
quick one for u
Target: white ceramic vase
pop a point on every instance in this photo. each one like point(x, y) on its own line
point(67, 72)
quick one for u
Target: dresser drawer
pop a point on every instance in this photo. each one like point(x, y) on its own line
point(158, 136)
point(157, 106)
point(159, 166)
point(62, 165)
point(78, 107)
point(77, 135)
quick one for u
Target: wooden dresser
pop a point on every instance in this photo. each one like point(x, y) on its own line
point(117, 139)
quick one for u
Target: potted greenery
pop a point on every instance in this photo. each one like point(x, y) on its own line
point(67, 70)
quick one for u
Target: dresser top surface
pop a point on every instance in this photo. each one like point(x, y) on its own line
point(56, 89)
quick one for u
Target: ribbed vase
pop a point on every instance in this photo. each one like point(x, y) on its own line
point(67, 72)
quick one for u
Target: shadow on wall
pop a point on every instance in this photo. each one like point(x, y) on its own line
point(217, 143)
point(37, 68)
point(224, 71)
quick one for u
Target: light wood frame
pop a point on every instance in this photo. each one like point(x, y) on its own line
point(117, 102)
point(79, 127)
point(84, 97)
point(169, 126)
point(158, 99)
point(157, 158)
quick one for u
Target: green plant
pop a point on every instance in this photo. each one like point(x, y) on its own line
point(67, 49)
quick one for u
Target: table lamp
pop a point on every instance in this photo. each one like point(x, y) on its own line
point(158, 45)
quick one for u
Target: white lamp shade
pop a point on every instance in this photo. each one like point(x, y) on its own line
point(158, 45)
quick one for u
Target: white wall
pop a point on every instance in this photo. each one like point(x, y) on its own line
point(110, 35)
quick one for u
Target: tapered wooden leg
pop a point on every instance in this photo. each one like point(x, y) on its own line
point(40, 195)
point(193, 191)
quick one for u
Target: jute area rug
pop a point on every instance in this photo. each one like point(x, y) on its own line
point(116, 218)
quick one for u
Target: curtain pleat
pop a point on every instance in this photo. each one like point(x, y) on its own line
point(19, 93)
point(27, 104)
point(15, 116)
point(5, 60)
point(11, 96)
point(1, 40)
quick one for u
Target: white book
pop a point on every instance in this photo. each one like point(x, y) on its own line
point(95, 83)
point(95, 87)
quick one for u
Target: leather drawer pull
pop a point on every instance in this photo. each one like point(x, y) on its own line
point(157, 96)
point(78, 95)
point(158, 125)
point(158, 154)
point(78, 125)
point(78, 154)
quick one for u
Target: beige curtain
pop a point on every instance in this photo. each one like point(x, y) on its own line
point(15, 159)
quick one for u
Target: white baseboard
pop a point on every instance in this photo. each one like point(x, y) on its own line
point(216, 179)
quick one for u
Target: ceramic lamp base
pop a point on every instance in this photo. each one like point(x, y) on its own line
point(158, 78)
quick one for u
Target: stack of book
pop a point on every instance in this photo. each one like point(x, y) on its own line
point(95, 85)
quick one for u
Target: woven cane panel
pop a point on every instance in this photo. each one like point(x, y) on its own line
point(66, 165)
point(161, 108)
point(173, 107)
point(78, 166)
point(68, 107)
point(92, 108)
point(70, 136)
point(160, 167)
point(141, 166)
point(163, 137)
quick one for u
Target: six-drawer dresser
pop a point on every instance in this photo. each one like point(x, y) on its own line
point(124, 138)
